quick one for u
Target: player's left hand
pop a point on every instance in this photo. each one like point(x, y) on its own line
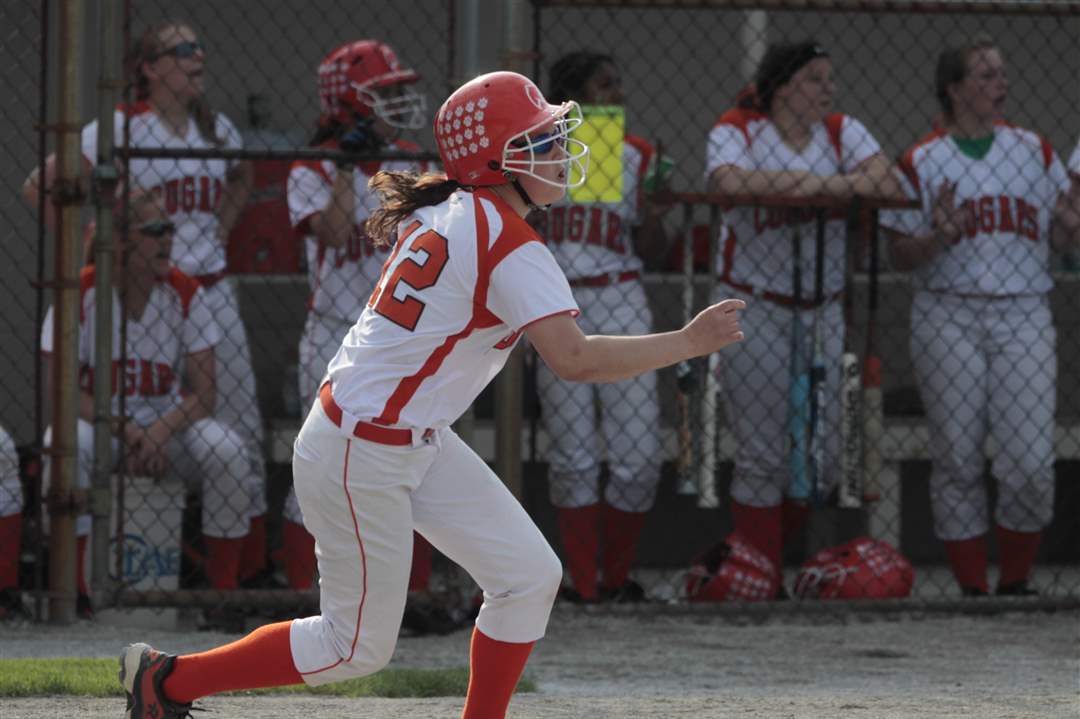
point(715, 327)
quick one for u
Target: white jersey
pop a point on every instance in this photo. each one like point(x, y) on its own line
point(596, 238)
point(464, 280)
point(758, 247)
point(190, 188)
point(1008, 198)
point(341, 279)
point(176, 322)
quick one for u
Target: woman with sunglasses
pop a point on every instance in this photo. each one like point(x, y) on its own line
point(597, 245)
point(203, 198)
point(784, 139)
point(366, 101)
point(376, 457)
point(169, 381)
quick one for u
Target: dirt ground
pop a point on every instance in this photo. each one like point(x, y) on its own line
point(1010, 666)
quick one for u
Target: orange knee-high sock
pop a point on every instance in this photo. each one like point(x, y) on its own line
point(621, 533)
point(253, 553)
point(299, 555)
point(762, 527)
point(968, 560)
point(494, 670)
point(80, 565)
point(223, 561)
point(10, 548)
point(420, 576)
point(1017, 551)
point(261, 659)
point(579, 531)
point(794, 516)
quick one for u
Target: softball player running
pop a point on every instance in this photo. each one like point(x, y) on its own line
point(465, 279)
point(983, 342)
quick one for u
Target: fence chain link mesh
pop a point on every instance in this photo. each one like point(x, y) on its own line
point(900, 421)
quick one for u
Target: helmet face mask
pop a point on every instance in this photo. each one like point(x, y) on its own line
point(398, 105)
point(521, 153)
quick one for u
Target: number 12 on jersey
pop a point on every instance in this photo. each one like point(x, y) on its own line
point(416, 275)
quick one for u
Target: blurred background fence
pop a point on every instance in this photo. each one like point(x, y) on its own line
point(681, 65)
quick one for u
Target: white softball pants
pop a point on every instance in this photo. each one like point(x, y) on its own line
point(987, 367)
point(361, 501)
point(629, 414)
point(755, 376)
point(207, 455)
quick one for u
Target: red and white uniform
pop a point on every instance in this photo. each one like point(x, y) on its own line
point(1074, 162)
point(192, 190)
point(461, 284)
point(341, 278)
point(593, 244)
point(756, 263)
point(982, 336)
point(176, 322)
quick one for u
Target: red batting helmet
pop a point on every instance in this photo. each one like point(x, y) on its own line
point(353, 78)
point(732, 571)
point(862, 568)
point(494, 126)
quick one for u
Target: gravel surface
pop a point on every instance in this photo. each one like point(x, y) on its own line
point(1012, 666)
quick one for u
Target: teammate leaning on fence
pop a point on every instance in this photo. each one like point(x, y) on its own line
point(11, 507)
point(203, 198)
point(376, 456)
point(983, 344)
point(784, 139)
point(596, 244)
point(169, 383)
point(366, 99)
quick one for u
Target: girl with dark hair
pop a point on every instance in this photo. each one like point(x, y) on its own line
point(203, 199)
point(785, 139)
point(376, 457)
point(994, 202)
point(597, 245)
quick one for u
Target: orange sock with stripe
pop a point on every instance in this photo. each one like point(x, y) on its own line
point(10, 548)
point(494, 670)
point(1017, 550)
point(299, 555)
point(969, 561)
point(580, 540)
point(261, 659)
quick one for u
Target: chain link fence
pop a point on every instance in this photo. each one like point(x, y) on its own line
point(899, 423)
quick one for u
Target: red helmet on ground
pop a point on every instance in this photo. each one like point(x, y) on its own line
point(732, 571)
point(354, 78)
point(494, 126)
point(864, 568)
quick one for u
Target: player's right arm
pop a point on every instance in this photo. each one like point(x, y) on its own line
point(576, 357)
point(31, 188)
point(910, 251)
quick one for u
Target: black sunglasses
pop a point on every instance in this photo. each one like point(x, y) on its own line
point(158, 228)
point(182, 50)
